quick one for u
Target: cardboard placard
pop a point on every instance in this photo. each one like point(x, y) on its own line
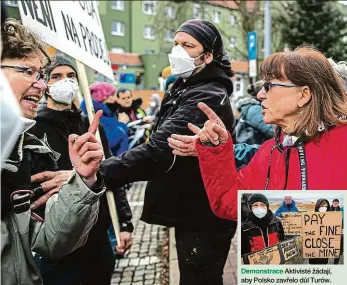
point(269, 255)
point(321, 233)
point(292, 223)
point(74, 27)
point(288, 249)
point(277, 254)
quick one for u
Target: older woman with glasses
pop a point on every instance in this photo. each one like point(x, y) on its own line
point(304, 97)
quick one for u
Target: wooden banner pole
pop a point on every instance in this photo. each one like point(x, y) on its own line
point(82, 75)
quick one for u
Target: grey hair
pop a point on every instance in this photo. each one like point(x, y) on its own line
point(341, 69)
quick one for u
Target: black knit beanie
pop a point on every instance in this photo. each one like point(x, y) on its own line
point(257, 197)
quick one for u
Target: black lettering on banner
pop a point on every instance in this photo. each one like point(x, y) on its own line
point(95, 47)
point(70, 29)
point(322, 234)
point(45, 9)
point(88, 6)
point(84, 35)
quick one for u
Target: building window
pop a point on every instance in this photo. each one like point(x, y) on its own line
point(216, 17)
point(232, 20)
point(117, 5)
point(149, 51)
point(170, 12)
point(118, 28)
point(232, 42)
point(117, 49)
point(169, 35)
point(197, 12)
point(148, 33)
point(12, 3)
point(149, 7)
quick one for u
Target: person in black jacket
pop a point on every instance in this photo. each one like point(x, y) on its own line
point(175, 194)
point(93, 263)
point(335, 207)
point(261, 228)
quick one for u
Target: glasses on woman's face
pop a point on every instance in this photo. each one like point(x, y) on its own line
point(268, 85)
point(30, 74)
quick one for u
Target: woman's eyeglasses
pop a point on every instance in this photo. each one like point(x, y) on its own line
point(267, 85)
point(30, 74)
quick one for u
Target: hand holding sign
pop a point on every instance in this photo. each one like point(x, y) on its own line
point(86, 152)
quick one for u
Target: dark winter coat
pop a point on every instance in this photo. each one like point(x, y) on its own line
point(286, 208)
point(58, 125)
point(96, 254)
point(257, 234)
point(135, 112)
point(175, 194)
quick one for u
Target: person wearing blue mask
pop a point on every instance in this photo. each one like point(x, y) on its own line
point(261, 228)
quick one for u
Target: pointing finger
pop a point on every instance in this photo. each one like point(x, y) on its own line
point(95, 123)
point(194, 128)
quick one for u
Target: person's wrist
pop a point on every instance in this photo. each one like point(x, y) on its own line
point(90, 181)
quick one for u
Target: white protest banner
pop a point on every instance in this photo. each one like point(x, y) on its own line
point(74, 27)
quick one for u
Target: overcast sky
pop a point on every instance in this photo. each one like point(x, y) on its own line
point(343, 2)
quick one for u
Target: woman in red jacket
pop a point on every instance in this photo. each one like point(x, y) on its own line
point(304, 97)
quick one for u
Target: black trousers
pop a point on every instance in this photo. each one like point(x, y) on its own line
point(202, 255)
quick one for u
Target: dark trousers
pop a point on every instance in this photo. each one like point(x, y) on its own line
point(89, 265)
point(202, 255)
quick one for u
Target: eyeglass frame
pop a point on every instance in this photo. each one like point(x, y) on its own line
point(24, 69)
point(268, 85)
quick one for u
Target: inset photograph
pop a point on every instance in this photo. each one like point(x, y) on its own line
point(300, 227)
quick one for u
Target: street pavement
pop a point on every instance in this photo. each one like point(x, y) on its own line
point(142, 265)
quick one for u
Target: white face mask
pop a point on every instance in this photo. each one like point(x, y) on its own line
point(323, 209)
point(64, 91)
point(259, 212)
point(181, 63)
